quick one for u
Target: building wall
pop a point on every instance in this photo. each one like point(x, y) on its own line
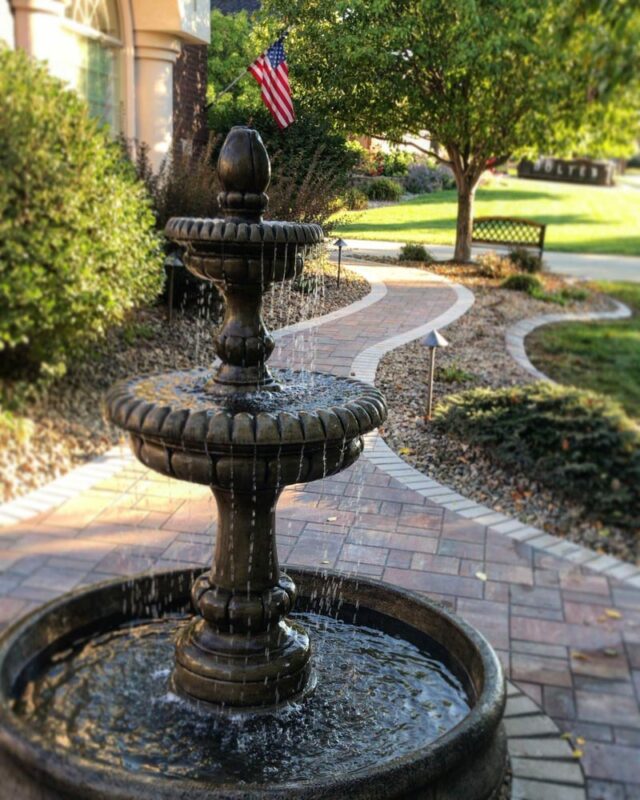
point(190, 95)
point(6, 23)
point(146, 47)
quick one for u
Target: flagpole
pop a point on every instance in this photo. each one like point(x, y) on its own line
point(227, 89)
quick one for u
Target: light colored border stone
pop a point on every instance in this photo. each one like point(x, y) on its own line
point(542, 762)
point(517, 333)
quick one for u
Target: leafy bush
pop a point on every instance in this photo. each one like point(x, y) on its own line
point(77, 247)
point(634, 162)
point(415, 252)
point(310, 166)
point(526, 261)
point(423, 179)
point(521, 282)
point(383, 189)
point(355, 199)
point(493, 265)
point(396, 163)
point(577, 442)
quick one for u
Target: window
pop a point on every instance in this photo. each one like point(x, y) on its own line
point(92, 61)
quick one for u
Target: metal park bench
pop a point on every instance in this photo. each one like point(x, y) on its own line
point(509, 232)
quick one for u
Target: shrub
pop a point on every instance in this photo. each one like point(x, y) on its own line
point(423, 179)
point(383, 189)
point(77, 247)
point(312, 140)
point(396, 163)
point(492, 265)
point(415, 252)
point(186, 185)
point(526, 261)
point(577, 442)
point(355, 199)
point(521, 282)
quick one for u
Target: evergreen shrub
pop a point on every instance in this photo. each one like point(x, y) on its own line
point(383, 189)
point(577, 442)
point(526, 261)
point(77, 241)
point(415, 252)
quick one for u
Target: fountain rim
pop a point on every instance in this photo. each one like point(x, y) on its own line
point(337, 422)
point(224, 231)
point(432, 760)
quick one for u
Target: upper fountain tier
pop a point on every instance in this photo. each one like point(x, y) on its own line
point(243, 255)
point(240, 246)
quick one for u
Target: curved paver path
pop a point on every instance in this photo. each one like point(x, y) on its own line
point(569, 636)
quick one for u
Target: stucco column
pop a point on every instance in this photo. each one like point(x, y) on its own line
point(156, 53)
point(37, 28)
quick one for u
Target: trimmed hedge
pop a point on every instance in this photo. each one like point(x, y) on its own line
point(77, 241)
point(577, 442)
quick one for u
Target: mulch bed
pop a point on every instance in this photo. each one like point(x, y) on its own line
point(477, 357)
point(67, 424)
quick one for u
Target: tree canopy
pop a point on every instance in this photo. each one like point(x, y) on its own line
point(485, 78)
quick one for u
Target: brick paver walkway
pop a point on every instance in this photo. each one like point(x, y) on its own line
point(569, 638)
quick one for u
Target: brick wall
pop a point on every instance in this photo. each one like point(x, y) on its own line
point(190, 95)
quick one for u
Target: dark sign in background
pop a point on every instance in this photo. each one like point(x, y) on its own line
point(583, 170)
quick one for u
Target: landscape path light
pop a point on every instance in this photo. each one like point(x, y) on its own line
point(340, 243)
point(433, 340)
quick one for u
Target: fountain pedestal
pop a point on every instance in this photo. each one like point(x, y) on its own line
point(240, 651)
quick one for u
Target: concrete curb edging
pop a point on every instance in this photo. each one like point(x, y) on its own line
point(517, 333)
point(542, 762)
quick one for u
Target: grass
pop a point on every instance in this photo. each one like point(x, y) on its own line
point(603, 356)
point(581, 219)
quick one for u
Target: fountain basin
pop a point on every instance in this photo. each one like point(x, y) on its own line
point(467, 761)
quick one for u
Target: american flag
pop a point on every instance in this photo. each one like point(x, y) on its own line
point(271, 71)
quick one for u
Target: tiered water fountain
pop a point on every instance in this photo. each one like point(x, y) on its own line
point(299, 685)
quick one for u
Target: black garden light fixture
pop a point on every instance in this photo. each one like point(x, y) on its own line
point(339, 243)
point(433, 340)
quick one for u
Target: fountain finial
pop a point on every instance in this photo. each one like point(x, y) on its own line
point(245, 171)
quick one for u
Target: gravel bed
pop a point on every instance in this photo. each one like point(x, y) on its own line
point(66, 423)
point(477, 357)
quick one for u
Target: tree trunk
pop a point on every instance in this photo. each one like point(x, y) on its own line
point(464, 224)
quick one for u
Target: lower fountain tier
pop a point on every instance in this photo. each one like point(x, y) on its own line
point(436, 734)
point(310, 429)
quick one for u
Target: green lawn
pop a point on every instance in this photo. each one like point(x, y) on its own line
point(604, 356)
point(581, 219)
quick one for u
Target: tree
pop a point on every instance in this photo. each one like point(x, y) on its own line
point(486, 78)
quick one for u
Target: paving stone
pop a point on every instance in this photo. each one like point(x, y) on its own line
point(517, 706)
point(556, 771)
point(543, 748)
point(524, 789)
point(605, 790)
point(535, 725)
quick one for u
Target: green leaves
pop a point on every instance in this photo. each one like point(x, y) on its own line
point(77, 247)
point(570, 439)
